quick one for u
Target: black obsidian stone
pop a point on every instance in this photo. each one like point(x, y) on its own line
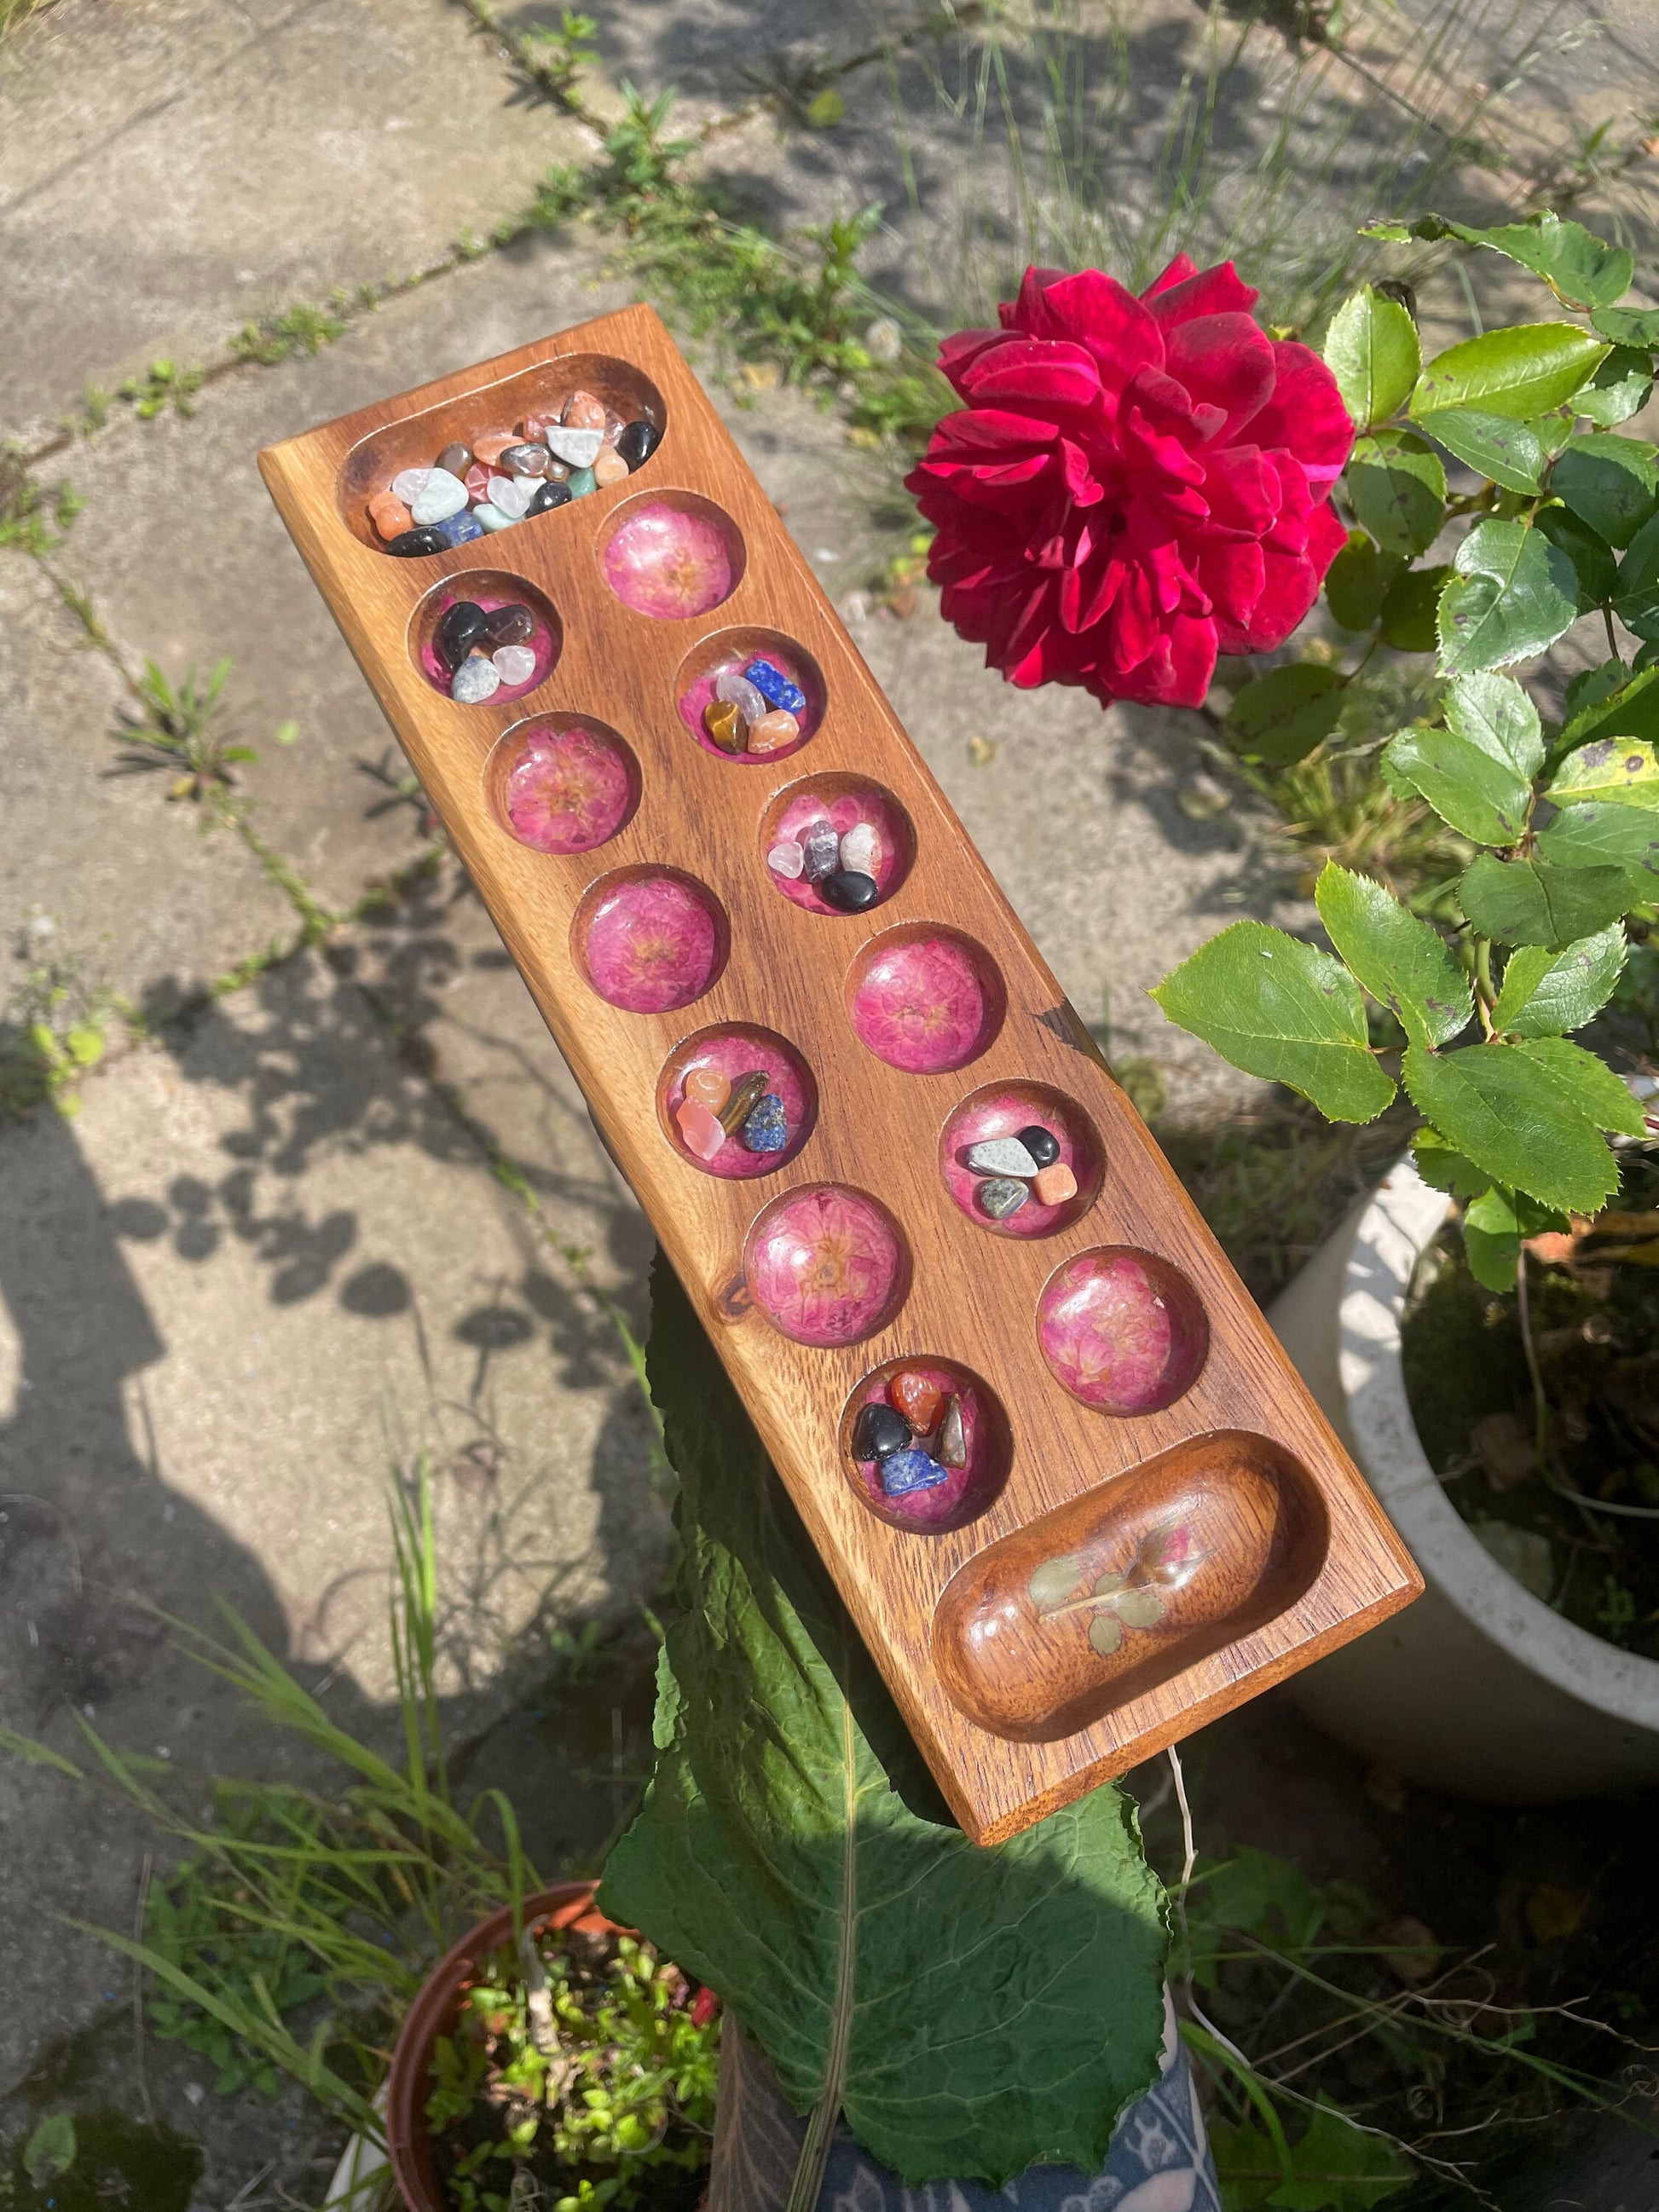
point(849, 890)
point(551, 495)
point(879, 1431)
point(459, 629)
point(513, 625)
point(637, 441)
point(1041, 1144)
point(410, 543)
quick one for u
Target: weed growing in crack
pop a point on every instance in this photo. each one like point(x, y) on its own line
point(34, 516)
point(164, 384)
point(55, 1028)
point(186, 728)
point(300, 329)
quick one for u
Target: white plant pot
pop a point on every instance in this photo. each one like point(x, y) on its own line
point(1477, 1690)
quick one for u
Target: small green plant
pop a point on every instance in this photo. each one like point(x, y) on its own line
point(300, 329)
point(55, 1027)
point(164, 384)
point(642, 160)
point(34, 516)
point(582, 2066)
point(186, 728)
point(556, 55)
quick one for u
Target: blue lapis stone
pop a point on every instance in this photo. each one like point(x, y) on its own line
point(459, 529)
point(902, 1472)
point(767, 1129)
point(776, 688)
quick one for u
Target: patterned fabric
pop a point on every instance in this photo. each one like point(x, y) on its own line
point(1159, 2160)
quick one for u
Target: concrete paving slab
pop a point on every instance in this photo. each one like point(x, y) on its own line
point(169, 171)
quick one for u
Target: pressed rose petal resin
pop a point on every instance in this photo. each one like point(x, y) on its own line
point(826, 1265)
point(926, 1003)
point(671, 562)
point(565, 791)
point(967, 1489)
point(1122, 1330)
point(651, 943)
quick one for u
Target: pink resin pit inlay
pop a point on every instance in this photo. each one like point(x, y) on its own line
point(735, 1052)
point(565, 790)
point(970, 1487)
point(826, 1265)
point(544, 643)
point(1004, 1112)
point(926, 1004)
point(697, 696)
point(865, 803)
point(1122, 1330)
point(651, 943)
point(669, 562)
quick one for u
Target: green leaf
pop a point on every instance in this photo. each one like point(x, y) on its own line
point(793, 1850)
point(1443, 1167)
point(1494, 713)
point(1341, 2168)
point(1356, 580)
point(1609, 483)
point(1513, 1111)
point(1280, 717)
point(1403, 962)
point(1624, 771)
point(1520, 372)
point(1594, 567)
point(1409, 607)
point(1482, 797)
point(1597, 835)
point(1283, 1010)
point(1492, 1238)
point(1533, 902)
point(1638, 602)
point(1591, 1085)
point(1621, 387)
point(1511, 454)
point(1546, 993)
point(51, 2149)
point(1576, 264)
point(1638, 327)
point(1513, 594)
point(1396, 484)
point(1625, 707)
point(826, 108)
point(1371, 350)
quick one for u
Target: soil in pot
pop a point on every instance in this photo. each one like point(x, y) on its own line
point(1593, 1309)
point(580, 2073)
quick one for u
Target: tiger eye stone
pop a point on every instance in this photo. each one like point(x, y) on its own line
point(724, 724)
point(746, 1094)
point(456, 458)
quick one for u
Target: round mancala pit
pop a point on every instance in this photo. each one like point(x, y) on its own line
point(562, 783)
point(925, 999)
point(1122, 1330)
point(485, 638)
point(926, 1444)
point(649, 939)
point(737, 1101)
point(721, 701)
point(672, 555)
point(1021, 1160)
point(827, 1265)
point(836, 844)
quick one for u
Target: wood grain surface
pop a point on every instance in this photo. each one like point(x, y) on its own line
point(972, 1293)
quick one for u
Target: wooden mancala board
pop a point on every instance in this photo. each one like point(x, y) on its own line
point(1148, 1519)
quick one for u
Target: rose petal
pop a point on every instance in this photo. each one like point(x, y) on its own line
point(1179, 298)
point(1304, 414)
point(1227, 360)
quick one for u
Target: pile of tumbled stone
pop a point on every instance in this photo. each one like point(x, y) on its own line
point(714, 1109)
point(839, 866)
point(757, 711)
point(917, 1439)
point(549, 460)
point(1017, 1168)
point(483, 649)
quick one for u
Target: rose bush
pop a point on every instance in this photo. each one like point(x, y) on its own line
point(1132, 485)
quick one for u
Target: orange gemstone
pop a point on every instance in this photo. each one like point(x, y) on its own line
point(490, 447)
point(709, 1087)
point(609, 467)
point(582, 411)
point(918, 1397)
point(700, 1130)
point(773, 732)
point(1055, 1185)
point(389, 515)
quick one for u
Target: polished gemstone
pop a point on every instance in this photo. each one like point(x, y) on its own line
point(412, 543)
point(700, 1129)
point(729, 685)
point(475, 680)
point(526, 460)
point(476, 480)
point(609, 467)
point(909, 1470)
point(709, 1087)
point(1001, 1195)
point(409, 484)
point(918, 1397)
point(652, 943)
point(389, 515)
point(826, 1265)
point(878, 1431)
point(637, 441)
point(848, 891)
point(489, 448)
point(582, 411)
point(1054, 1184)
point(773, 732)
point(512, 496)
point(1041, 1144)
point(579, 483)
point(549, 495)
point(459, 629)
point(858, 849)
point(579, 448)
point(1001, 1156)
point(456, 458)
point(951, 1447)
point(747, 1091)
point(820, 851)
point(441, 495)
point(786, 859)
point(516, 664)
point(567, 791)
point(509, 625)
point(775, 686)
point(724, 724)
point(489, 517)
point(460, 528)
point(668, 562)
point(767, 1129)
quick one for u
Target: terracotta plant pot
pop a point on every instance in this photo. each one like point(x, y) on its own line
point(435, 2012)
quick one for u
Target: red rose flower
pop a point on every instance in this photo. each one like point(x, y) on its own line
point(1133, 485)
